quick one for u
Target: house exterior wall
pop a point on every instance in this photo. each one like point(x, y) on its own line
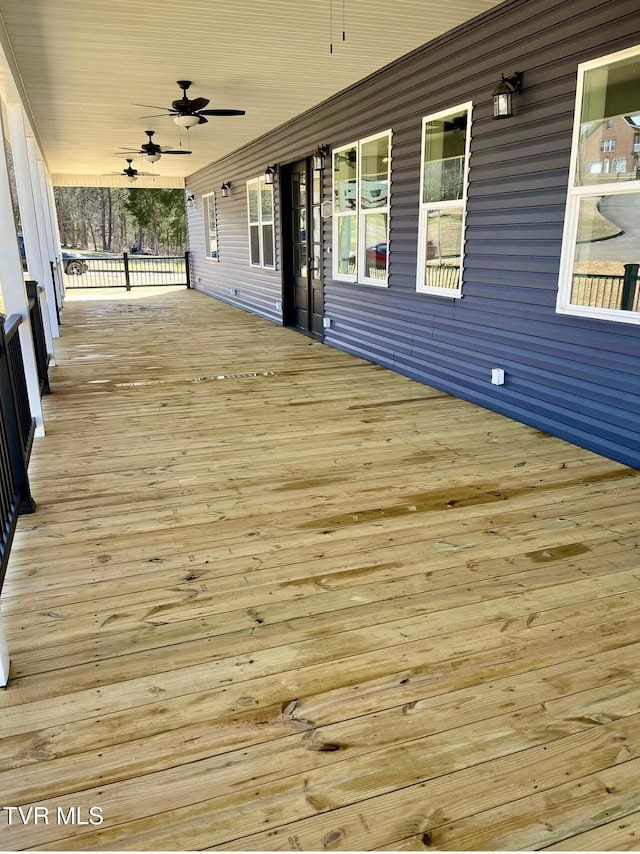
point(574, 377)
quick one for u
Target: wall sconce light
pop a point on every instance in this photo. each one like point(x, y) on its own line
point(319, 158)
point(224, 189)
point(269, 173)
point(502, 94)
point(191, 200)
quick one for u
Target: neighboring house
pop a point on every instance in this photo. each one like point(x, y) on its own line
point(443, 243)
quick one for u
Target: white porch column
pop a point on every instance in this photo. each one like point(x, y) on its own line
point(53, 218)
point(52, 239)
point(28, 216)
point(14, 292)
point(4, 657)
point(41, 221)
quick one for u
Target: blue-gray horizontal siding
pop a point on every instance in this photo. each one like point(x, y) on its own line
point(574, 377)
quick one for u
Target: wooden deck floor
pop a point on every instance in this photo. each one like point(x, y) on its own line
point(275, 597)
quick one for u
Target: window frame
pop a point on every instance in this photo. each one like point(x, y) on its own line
point(206, 219)
point(360, 214)
point(424, 207)
point(577, 192)
point(260, 183)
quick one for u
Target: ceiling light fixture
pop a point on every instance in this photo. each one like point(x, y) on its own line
point(186, 121)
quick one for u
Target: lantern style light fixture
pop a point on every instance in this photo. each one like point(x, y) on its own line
point(502, 95)
point(224, 189)
point(319, 158)
point(191, 200)
point(269, 173)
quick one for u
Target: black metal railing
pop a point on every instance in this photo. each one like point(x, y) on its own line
point(16, 436)
point(39, 340)
point(603, 291)
point(26, 423)
point(127, 271)
point(55, 290)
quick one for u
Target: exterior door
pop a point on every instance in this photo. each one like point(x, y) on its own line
point(305, 296)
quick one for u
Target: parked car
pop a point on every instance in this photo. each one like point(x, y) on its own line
point(377, 254)
point(74, 265)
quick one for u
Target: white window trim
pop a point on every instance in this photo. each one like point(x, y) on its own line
point(421, 288)
point(574, 194)
point(260, 183)
point(207, 231)
point(360, 216)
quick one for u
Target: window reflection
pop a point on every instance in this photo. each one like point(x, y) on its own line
point(444, 241)
point(610, 124)
point(607, 252)
point(444, 157)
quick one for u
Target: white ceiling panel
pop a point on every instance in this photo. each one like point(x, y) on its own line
point(85, 64)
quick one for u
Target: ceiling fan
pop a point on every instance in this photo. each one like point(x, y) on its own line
point(152, 151)
point(129, 172)
point(187, 112)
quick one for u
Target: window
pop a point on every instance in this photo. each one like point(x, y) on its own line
point(443, 195)
point(210, 227)
point(261, 223)
point(599, 275)
point(607, 145)
point(361, 180)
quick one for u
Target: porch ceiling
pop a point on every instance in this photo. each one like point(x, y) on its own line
point(84, 66)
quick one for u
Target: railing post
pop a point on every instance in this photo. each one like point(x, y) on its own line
point(186, 267)
point(127, 279)
point(5, 663)
point(39, 342)
point(629, 286)
point(55, 290)
point(10, 416)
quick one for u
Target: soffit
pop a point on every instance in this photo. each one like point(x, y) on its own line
point(84, 64)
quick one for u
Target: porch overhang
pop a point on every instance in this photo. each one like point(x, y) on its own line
point(81, 71)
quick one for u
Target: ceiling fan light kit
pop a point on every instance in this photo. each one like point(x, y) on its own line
point(186, 121)
point(186, 113)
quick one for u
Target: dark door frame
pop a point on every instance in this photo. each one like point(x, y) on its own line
point(287, 291)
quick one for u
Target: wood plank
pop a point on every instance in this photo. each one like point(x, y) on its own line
point(446, 596)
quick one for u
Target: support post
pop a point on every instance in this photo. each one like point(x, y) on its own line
point(28, 213)
point(41, 217)
point(629, 286)
point(127, 279)
point(14, 292)
point(5, 663)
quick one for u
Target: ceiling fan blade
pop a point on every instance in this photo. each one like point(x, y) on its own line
point(221, 112)
point(198, 104)
point(151, 106)
point(180, 151)
point(157, 115)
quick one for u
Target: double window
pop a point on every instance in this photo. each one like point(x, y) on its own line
point(210, 226)
point(443, 195)
point(361, 180)
point(261, 223)
point(599, 271)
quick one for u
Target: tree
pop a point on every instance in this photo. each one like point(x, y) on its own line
point(105, 218)
point(160, 213)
